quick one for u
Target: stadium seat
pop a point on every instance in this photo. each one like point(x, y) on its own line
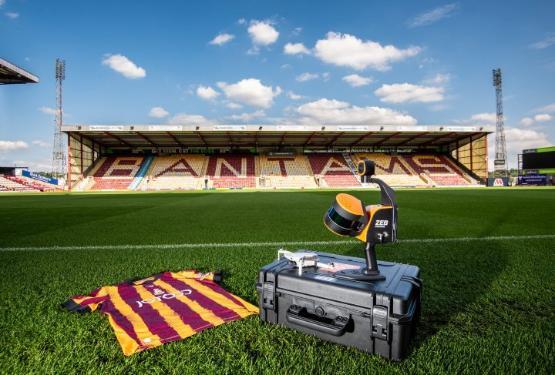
point(12, 183)
point(439, 169)
point(284, 172)
point(392, 169)
point(231, 171)
point(235, 171)
point(176, 172)
point(332, 170)
point(116, 173)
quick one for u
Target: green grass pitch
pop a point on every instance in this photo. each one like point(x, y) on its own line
point(488, 304)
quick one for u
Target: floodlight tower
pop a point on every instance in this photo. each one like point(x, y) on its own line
point(500, 162)
point(58, 152)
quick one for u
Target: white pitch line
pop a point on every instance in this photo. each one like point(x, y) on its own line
point(260, 244)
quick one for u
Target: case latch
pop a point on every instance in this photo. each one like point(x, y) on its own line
point(380, 322)
point(268, 296)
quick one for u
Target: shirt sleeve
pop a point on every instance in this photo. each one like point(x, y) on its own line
point(216, 277)
point(80, 303)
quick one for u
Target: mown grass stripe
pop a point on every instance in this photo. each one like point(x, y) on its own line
point(275, 243)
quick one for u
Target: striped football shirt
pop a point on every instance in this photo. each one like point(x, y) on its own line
point(163, 308)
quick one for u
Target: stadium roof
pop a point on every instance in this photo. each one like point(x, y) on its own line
point(11, 74)
point(315, 136)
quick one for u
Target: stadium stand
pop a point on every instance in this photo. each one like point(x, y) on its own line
point(332, 170)
point(35, 184)
point(232, 171)
point(12, 183)
point(295, 171)
point(240, 156)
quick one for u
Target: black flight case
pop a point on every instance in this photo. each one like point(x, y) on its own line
point(374, 316)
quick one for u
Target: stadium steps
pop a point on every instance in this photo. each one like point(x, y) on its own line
point(427, 180)
point(84, 184)
point(145, 165)
point(349, 161)
point(472, 177)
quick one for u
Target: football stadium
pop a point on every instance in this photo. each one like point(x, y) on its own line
point(147, 199)
point(271, 246)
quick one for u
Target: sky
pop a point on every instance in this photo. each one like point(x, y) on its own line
point(275, 62)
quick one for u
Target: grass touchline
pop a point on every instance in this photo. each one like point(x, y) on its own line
point(260, 244)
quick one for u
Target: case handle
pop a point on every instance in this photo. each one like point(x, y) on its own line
point(299, 316)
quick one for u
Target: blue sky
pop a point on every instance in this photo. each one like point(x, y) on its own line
point(399, 62)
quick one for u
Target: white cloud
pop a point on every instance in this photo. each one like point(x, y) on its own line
point(232, 105)
point(489, 117)
point(48, 111)
point(184, 118)
point(407, 92)
point(52, 111)
point(295, 49)
point(34, 165)
point(262, 33)
point(438, 79)
point(526, 121)
point(207, 93)
point(296, 31)
point(241, 21)
point(2, 2)
point(546, 42)
point(550, 108)
point(307, 77)
point(350, 51)
point(518, 140)
point(291, 95)
point(124, 66)
point(540, 117)
point(222, 39)
point(331, 111)
point(356, 81)
point(245, 117)
point(40, 143)
point(251, 92)
point(158, 112)
point(6, 146)
point(543, 117)
point(433, 15)
point(12, 15)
